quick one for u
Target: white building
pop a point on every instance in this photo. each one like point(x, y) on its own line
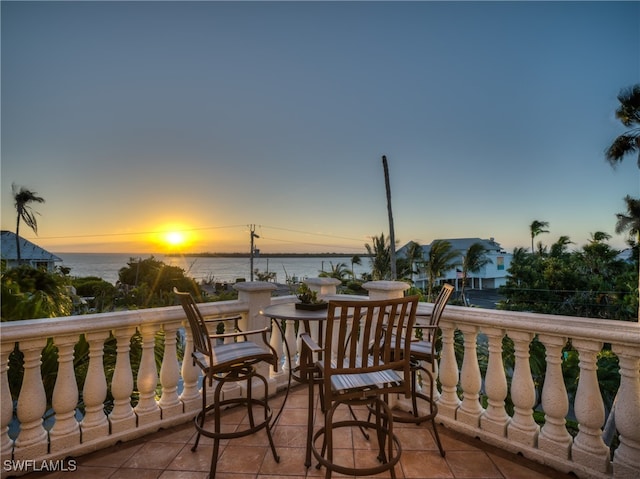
point(492, 276)
point(30, 253)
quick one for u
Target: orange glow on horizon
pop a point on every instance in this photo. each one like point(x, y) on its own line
point(173, 238)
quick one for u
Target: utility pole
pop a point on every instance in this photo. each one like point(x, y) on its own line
point(253, 236)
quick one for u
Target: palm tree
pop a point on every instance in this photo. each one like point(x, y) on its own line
point(355, 259)
point(380, 254)
point(599, 237)
point(23, 197)
point(536, 228)
point(338, 271)
point(559, 248)
point(474, 260)
point(413, 254)
point(629, 115)
point(630, 223)
point(441, 258)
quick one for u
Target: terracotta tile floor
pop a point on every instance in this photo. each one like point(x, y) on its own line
point(167, 454)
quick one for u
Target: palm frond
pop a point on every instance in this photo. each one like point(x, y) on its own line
point(622, 146)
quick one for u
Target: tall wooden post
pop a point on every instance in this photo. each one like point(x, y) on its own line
point(392, 236)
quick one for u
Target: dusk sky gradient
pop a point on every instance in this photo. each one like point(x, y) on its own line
point(136, 118)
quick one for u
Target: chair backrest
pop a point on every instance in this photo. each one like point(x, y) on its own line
point(357, 341)
point(201, 342)
point(441, 302)
point(429, 334)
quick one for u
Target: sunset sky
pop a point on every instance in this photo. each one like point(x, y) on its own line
point(138, 119)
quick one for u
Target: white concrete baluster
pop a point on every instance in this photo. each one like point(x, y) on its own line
point(470, 379)
point(190, 396)
point(495, 418)
point(95, 425)
point(6, 405)
point(231, 389)
point(122, 417)
point(589, 448)
point(65, 433)
point(169, 403)
point(263, 368)
point(147, 409)
point(424, 381)
point(626, 459)
point(448, 402)
point(230, 327)
point(522, 429)
point(32, 441)
point(554, 437)
point(257, 295)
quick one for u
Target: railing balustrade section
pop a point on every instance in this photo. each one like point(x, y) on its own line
point(486, 386)
point(481, 411)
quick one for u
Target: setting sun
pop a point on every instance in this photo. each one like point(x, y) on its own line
point(175, 238)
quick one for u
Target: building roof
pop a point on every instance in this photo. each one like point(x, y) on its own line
point(28, 250)
point(463, 244)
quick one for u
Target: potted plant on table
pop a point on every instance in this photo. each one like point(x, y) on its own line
point(309, 299)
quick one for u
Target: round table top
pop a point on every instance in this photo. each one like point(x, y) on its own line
point(288, 311)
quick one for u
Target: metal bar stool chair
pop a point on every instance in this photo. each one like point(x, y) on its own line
point(423, 351)
point(360, 365)
point(229, 358)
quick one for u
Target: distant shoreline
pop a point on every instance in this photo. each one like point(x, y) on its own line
point(268, 255)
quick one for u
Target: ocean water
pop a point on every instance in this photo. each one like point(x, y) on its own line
point(107, 265)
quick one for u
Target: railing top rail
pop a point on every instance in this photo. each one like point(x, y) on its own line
point(48, 327)
point(610, 331)
point(605, 330)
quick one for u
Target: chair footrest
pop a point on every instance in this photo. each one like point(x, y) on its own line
point(406, 417)
point(263, 422)
point(387, 463)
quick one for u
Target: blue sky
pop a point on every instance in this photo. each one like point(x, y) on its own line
point(136, 118)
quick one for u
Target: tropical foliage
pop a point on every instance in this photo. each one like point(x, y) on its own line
point(33, 293)
point(338, 271)
point(628, 112)
point(355, 260)
point(98, 295)
point(590, 282)
point(380, 256)
point(413, 257)
point(149, 283)
point(441, 258)
point(29, 293)
point(629, 223)
point(474, 259)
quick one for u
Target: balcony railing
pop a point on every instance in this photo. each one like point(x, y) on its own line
point(170, 395)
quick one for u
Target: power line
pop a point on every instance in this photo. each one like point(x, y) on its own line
point(102, 235)
point(313, 234)
point(307, 243)
point(205, 228)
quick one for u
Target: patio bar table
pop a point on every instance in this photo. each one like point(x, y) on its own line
point(304, 373)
